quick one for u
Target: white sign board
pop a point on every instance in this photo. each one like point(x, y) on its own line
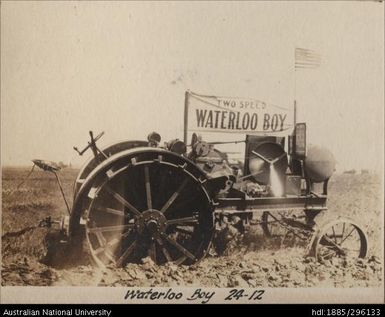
point(234, 115)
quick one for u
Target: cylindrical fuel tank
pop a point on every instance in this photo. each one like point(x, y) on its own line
point(319, 163)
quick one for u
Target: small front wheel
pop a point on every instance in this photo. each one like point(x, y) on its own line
point(339, 238)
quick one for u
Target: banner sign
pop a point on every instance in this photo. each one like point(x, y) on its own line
point(234, 115)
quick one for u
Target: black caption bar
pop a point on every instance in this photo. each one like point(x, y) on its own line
point(110, 310)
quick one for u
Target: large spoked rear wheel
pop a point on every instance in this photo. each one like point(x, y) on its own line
point(152, 205)
point(340, 238)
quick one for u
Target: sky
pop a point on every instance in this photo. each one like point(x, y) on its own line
point(123, 68)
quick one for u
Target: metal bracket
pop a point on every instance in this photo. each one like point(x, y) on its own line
point(92, 146)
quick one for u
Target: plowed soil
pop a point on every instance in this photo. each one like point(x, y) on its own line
point(253, 260)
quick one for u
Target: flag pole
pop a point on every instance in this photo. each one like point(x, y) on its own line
point(186, 96)
point(295, 92)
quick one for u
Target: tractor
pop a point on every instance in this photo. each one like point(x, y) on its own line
point(168, 201)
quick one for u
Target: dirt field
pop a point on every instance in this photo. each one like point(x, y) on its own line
point(259, 262)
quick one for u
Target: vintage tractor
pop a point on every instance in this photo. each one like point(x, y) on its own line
point(169, 201)
point(136, 199)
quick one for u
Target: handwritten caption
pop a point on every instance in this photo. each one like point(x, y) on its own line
point(198, 295)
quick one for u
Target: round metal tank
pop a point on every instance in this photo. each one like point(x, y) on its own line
point(319, 163)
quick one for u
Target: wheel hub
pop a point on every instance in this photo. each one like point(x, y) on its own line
point(151, 222)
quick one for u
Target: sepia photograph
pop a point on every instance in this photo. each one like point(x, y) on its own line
point(192, 152)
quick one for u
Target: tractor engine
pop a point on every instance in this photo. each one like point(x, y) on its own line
point(269, 170)
point(214, 162)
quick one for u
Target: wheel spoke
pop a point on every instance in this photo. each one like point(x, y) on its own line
point(126, 254)
point(347, 236)
point(179, 247)
point(272, 222)
point(180, 205)
point(109, 256)
point(179, 221)
point(107, 245)
point(123, 201)
point(111, 228)
point(352, 250)
point(174, 196)
point(152, 251)
point(112, 211)
point(135, 198)
point(343, 231)
point(182, 230)
point(333, 243)
point(101, 239)
point(161, 186)
point(164, 250)
point(329, 247)
point(334, 235)
point(100, 250)
point(126, 234)
point(148, 186)
point(327, 254)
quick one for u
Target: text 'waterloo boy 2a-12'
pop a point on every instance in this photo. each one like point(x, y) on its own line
point(172, 202)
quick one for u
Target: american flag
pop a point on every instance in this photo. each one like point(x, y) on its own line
point(305, 58)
